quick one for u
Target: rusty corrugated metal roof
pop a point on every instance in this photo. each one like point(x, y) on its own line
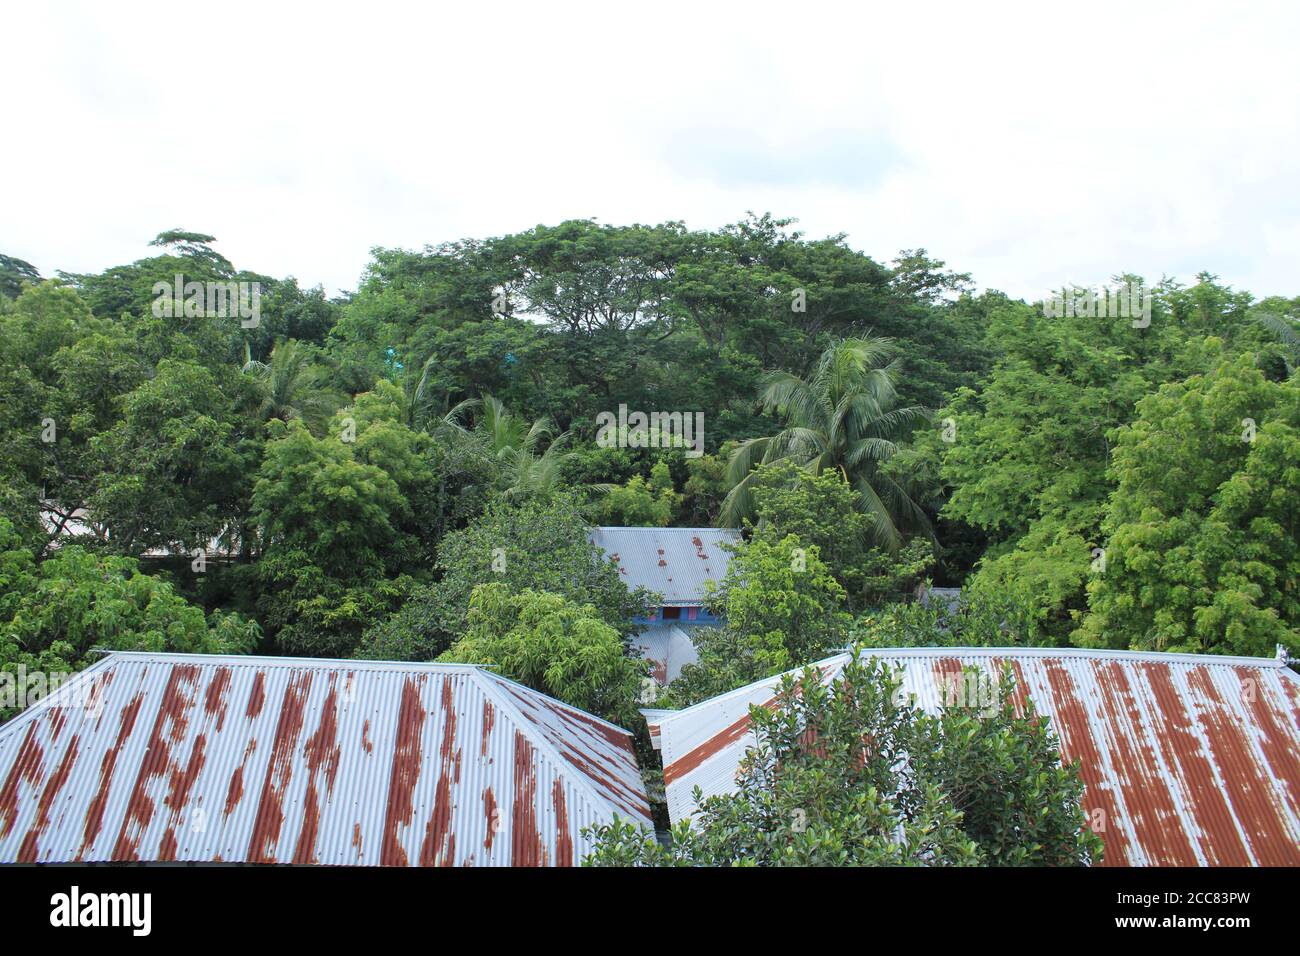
point(1189, 759)
point(159, 757)
point(675, 562)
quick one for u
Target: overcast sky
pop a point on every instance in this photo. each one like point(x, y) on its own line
point(1034, 146)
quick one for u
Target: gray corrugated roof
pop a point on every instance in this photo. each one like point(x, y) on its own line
point(672, 561)
point(187, 757)
point(669, 646)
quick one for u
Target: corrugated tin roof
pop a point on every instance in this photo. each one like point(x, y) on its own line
point(1191, 760)
point(668, 647)
point(157, 757)
point(672, 561)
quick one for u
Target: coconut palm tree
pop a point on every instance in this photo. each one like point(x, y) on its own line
point(1285, 330)
point(291, 386)
point(515, 444)
point(843, 417)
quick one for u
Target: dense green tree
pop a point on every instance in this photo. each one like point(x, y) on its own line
point(525, 469)
point(977, 619)
point(313, 496)
point(640, 503)
point(335, 554)
point(14, 273)
point(531, 544)
point(823, 510)
point(553, 645)
point(1202, 528)
point(175, 467)
point(1025, 457)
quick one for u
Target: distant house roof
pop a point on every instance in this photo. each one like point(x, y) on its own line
point(947, 598)
point(1191, 760)
point(160, 757)
point(672, 561)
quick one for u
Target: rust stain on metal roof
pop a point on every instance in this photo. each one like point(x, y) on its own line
point(1150, 805)
point(1251, 796)
point(27, 852)
point(1074, 731)
point(493, 818)
point(167, 848)
point(489, 717)
point(439, 847)
point(525, 842)
point(169, 727)
point(218, 687)
point(257, 698)
point(711, 747)
point(322, 752)
point(1220, 843)
point(563, 839)
point(95, 815)
point(407, 757)
point(58, 717)
point(235, 789)
point(1280, 748)
point(279, 770)
point(27, 767)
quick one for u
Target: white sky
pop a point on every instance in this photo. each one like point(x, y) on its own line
point(1032, 146)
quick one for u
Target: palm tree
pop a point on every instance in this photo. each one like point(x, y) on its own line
point(424, 409)
point(292, 386)
point(1286, 333)
point(514, 444)
point(841, 417)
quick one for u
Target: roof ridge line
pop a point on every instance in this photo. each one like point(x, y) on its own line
point(1086, 652)
point(287, 661)
point(553, 753)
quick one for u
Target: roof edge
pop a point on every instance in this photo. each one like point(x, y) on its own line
point(33, 711)
point(553, 754)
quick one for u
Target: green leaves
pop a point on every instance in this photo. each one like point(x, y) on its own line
point(1202, 552)
point(837, 419)
point(555, 646)
point(55, 613)
point(848, 773)
point(783, 608)
point(531, 544)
